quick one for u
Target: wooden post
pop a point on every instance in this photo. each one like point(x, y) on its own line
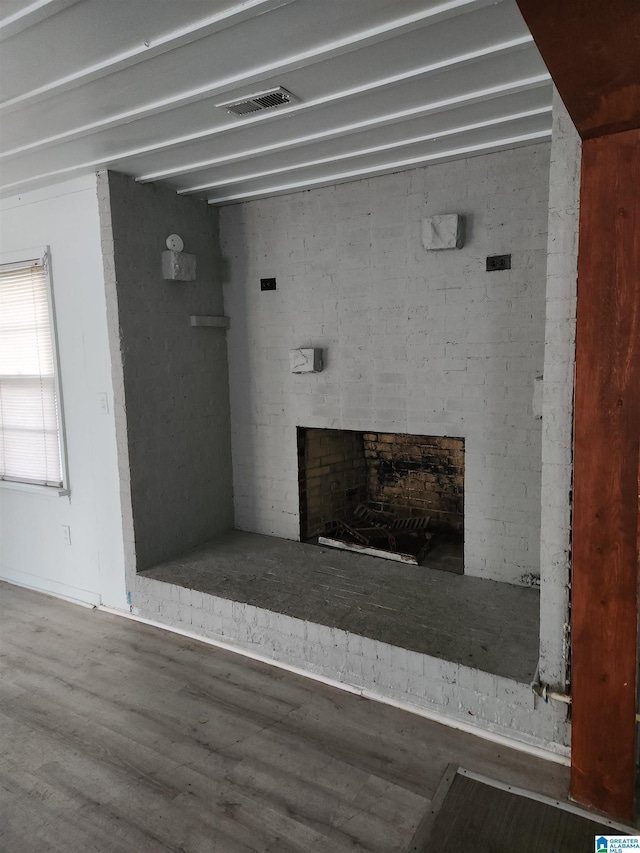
point(607, 436)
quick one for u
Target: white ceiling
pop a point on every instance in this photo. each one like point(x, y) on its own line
point(383, 85)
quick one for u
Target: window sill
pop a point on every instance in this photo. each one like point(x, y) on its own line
point(30, 488)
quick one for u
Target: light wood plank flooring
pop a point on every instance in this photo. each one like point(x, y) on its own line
point(116, 736)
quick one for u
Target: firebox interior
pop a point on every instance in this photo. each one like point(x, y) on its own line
point(392, 495)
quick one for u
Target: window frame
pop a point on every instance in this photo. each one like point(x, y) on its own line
point(25, 256)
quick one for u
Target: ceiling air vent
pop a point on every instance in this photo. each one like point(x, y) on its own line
point(260, 101)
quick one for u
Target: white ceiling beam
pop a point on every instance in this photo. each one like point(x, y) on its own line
point(293, 62)
point(372, 171)
point(434, 106)
point(450, 62)
point(162, 44)
point(269, 115)
point(30, 15)
point(374, 149)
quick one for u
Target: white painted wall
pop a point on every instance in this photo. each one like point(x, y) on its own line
point(415, 341)
point(557, 420)
point(32, 550)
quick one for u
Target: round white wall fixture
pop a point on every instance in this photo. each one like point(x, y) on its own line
point(175, 243)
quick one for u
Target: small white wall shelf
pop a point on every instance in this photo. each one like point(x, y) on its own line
point(210, 321)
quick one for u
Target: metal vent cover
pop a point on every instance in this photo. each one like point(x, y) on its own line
point(267, 100)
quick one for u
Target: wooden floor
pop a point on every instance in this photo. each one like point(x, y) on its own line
point(116, 736)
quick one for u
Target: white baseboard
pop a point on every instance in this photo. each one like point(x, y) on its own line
point(50, 587)
point(451, 722)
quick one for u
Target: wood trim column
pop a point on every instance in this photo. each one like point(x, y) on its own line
point(591, 49)
point(607, 437)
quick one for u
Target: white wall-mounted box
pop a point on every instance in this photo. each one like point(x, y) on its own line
point(178, 266)
point(445, 231)
point(305, 360)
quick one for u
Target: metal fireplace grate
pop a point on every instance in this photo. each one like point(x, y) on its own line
point(381, 534)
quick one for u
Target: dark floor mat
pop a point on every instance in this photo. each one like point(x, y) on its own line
point(470, 813)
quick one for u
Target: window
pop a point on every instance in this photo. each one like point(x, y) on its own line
point(30, 432)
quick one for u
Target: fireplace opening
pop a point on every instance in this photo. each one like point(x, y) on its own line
point(391, 495)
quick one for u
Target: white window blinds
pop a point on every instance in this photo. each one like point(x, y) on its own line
point(29, 423)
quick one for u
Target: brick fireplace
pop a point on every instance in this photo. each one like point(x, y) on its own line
point(405, 477)
point(414, 342)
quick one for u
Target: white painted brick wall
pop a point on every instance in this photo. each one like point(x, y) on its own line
point(117, 375)
point(415, 341)
point(557, 411)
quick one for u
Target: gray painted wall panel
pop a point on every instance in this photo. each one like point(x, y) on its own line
point(175, 376)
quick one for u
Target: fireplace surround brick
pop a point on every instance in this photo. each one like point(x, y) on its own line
point(416, 342)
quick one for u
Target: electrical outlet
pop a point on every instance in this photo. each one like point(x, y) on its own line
point(103, 402)
point(66, 534)
point(267, 284)
point(498, 262)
